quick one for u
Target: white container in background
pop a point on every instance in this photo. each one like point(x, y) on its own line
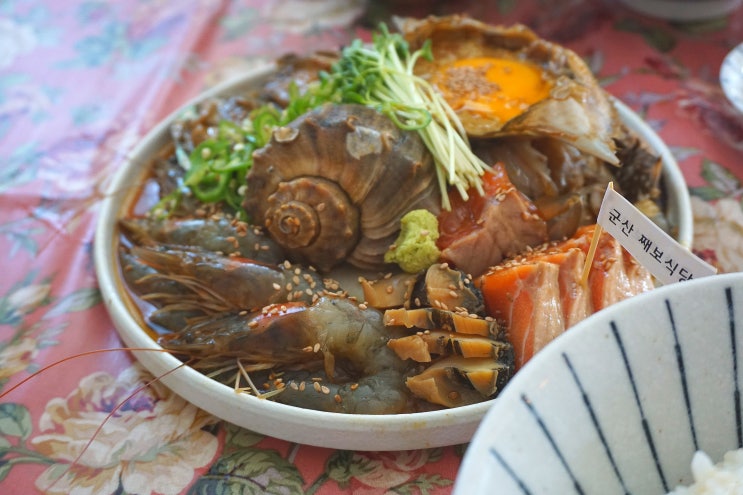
point(684, 10)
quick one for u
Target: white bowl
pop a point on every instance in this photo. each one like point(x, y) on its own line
point(620, 402)
point(357, 432)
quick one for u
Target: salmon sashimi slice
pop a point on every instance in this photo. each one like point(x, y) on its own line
point(526, 298)
point(615, 275)
point(540, 294)
point(574, 298)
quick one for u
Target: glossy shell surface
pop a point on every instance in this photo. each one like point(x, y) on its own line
point(334, 184)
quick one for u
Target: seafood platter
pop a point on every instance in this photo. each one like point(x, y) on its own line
point(358, 249)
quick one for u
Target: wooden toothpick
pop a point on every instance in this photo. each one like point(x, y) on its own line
point(592, 249)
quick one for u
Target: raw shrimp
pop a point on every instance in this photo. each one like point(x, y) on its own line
point(355, 371)
point(146, 280)
point(222, 235)
point(382, 393)
point(183, 279)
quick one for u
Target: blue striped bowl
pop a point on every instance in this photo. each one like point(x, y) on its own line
point(620, 403)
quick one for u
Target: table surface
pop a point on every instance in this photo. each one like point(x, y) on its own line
point(82, 81)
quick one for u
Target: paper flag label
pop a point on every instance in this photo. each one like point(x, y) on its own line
point(657, 251)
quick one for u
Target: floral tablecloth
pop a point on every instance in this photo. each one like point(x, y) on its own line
point(81, 82)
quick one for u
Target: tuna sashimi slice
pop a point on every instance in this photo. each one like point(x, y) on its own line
point(480, 232)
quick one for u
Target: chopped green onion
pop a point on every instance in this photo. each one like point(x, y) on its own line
point(379, 75)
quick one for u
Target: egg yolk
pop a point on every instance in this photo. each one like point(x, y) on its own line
point(493, 87)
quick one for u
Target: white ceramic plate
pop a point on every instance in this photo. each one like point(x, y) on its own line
point(334, 430)
point(621, 402)
point(731, 76)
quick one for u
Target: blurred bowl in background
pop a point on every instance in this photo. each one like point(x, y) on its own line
point(683, 10)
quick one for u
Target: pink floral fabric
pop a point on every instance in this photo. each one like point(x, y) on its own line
point(82, 81)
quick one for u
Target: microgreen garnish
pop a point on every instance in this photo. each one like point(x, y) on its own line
point(382, 76)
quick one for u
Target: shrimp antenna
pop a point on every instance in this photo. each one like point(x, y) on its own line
point(113, 411)
point(75, 356)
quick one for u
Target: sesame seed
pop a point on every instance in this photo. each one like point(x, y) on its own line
point(276, 286)
point(354, 386)
point(317, 387)
point(316, 347)
point(325, 390)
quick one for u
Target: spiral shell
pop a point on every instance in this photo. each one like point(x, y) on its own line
point(333, 185)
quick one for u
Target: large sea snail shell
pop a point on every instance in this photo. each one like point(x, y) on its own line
point(333, 185)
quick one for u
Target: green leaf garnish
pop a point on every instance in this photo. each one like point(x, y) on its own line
point(380, 75)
